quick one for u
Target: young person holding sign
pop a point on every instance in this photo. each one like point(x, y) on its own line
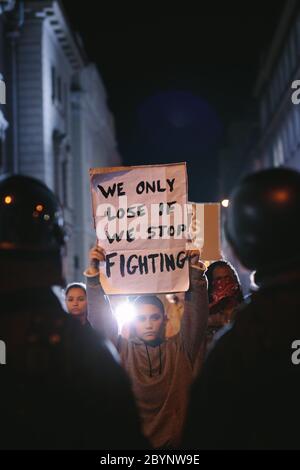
point(161, 370)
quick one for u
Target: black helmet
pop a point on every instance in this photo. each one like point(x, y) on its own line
point(262, 222)
point(30, 216)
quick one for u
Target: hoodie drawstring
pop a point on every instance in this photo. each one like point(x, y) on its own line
point(160, 364)
point(150, 366)
point(149, 361)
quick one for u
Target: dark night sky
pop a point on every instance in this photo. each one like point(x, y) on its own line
point(176, 79)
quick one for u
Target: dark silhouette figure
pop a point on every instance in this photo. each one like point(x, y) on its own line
point(61, 386)
point(247, 394)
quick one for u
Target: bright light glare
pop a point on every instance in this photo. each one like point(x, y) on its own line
point(124, 313)
point(8, 200)
point(225, 202)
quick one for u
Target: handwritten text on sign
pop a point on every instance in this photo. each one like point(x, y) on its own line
point(142, 223)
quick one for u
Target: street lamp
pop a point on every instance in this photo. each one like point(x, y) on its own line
point(225, 202)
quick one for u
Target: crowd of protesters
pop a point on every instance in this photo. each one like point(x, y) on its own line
point(217, 374)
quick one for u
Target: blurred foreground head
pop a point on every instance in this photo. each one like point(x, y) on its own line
point(262, 223)
point(31, 234)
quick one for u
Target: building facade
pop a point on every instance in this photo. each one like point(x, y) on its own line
point(279, 143)
point(5, 8)
point(60, 123)
point(93, 145)
point(276, 138)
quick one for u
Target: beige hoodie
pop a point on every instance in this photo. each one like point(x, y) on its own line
point(161, 375)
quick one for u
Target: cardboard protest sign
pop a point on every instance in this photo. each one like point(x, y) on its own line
point(140, 216)
point(205, 230)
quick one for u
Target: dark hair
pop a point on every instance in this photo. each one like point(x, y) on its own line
point(209, 275)
point(75, 285)
point(150, 300)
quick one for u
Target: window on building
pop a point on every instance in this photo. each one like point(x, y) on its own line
point(263, 113)
point(287, 65)
point(270, 101)
point(291, 133)
point(66, 98)
point(292, 48)
point(278, 81)
point(64, 167)
point(3, 129)
point(76, 262)
point(278, 153)
point(295, 126)
point(53, 83)
point(59, 91)
point(297, 114)
point(61, 157)
point(282, 76)
point(272, 98)
point(1, 155)
point(298, 35)
point(285, 139)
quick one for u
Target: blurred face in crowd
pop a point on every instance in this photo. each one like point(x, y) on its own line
point(223, 273)
point(224, 295)
point(76, 302)
point(149, 322)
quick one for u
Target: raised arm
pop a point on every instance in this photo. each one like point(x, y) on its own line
point(99, 310)
point(194, 320)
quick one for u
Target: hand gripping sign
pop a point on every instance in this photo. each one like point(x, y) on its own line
point(141, 221)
